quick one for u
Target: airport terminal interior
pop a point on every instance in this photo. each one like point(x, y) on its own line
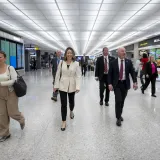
point(33, 32)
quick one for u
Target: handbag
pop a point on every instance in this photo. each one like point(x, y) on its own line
point(19, 85)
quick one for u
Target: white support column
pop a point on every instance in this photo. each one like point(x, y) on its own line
point(136, 52)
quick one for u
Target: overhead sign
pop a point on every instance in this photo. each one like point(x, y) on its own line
point(150, 42)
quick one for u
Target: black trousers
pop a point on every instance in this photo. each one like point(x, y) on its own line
point(84, 69)
point(63, 96)
point(103, 85)
point(120, 92)
point(151, 79)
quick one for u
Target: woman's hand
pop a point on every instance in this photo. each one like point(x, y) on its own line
point(77, 90)
point(55, 89)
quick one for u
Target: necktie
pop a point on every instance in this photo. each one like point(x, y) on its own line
point(121, 71)
point(105, 66)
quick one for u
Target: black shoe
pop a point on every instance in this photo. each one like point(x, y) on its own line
point(118, 122)
point(106, 104)
point(142, 91)
point(101, 103)
point(2, 139)
point(153, 95)
point(54, 99)
point(122, 119)
point(63, 129)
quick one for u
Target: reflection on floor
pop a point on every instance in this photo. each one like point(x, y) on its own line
point(92, 135)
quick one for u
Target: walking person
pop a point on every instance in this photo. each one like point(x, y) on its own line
point(119, 81)
point(8, 99)
point(84, 63)
point(101, 74)
point(55, 62)
point(67, 81)
point(144, 60)
point(151, 75)
point(137, 66)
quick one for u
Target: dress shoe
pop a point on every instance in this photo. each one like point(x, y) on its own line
point(71, 115)
point(54, 99)
point(122, 119)
point(118, 122)
point(2, 139)
point(101, 103)
point(153, 95)
point(142, 90)
point(106, 104)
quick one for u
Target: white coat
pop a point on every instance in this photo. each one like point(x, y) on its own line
point(69, 81)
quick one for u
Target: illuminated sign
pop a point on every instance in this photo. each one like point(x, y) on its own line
point(144, 44)
point(156, 40)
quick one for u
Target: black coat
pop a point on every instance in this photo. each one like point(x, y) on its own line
point(113, 75)
point(84, 62)
point(100, 66)
point(148, 69)
point(54, 65)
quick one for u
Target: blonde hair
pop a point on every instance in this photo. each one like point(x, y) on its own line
point(73, 53)
point(151, 57)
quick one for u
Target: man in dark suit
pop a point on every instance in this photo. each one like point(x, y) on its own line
point(101, 74)
point(84, 63)
point(119, 81)
point(55, 61)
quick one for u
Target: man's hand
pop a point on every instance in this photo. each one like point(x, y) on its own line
point(135, 86)
point(96, 78)
point(110, 87)
point(147, 76)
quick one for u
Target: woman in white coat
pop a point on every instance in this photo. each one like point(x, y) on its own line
point(67, 81)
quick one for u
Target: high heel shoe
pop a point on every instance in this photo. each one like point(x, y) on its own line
point(72, 115)
point(63, 128)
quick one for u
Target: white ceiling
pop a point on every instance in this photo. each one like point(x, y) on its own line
point(85, 25)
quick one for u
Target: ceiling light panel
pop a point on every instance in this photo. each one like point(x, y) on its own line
point(25, 6)
point(89, 7)
point(107, 13)
point(90, 1)
point(137, 1)
point(67, 6)
point(149, 7)
point(6, 6)
point(114, 1)
point(32, 12)
point(88, 13)
point(111, 7)
point(70, 12)
point(132, 7)
point(47, 6)
point(155, 1)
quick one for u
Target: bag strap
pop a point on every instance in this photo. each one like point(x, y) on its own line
point(9, 72)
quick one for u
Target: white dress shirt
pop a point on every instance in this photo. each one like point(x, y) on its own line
point(106, 57)
point(119, 64)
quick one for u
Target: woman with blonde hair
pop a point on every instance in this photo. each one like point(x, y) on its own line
point(8, 98)
point(151, 74)
point(67, 81)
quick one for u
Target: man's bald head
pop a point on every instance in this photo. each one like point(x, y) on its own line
point(121, 52)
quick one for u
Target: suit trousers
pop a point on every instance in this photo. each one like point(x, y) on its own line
point(63, 96)
point(84, 69)
point(103, 85)
point(120, 92)
point(8, 108)
point(151, 79)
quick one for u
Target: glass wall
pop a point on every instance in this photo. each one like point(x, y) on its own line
point(14, 52)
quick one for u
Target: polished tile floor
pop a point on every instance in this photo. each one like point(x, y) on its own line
point(92, 135)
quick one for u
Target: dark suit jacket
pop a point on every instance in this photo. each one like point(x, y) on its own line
point(100, 66)
point(54, 66)
point(113, 75)
point(148, 69)
point(84, 62)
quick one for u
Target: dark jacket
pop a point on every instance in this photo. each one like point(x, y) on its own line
point(148, 69)
point(84, 62)
point(54, 66)
point(100, 66)
point(113, 75)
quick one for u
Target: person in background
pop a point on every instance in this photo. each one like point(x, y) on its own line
point(137, 66)
point(67, 81)
point(101, 74)
point(8, 99)
point(144, 60)
point(55, 62)
point(119, 81)
point(151, 75)
point(84, 63)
